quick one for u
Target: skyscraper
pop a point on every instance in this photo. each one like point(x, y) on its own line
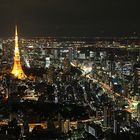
point(136, 69)
point(17, 68)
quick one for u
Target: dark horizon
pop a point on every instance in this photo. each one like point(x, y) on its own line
point(66, 31)
point(70, 18)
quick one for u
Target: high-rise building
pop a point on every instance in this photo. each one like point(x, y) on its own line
point(50, 76)
point(17, 68)
point(1, 48)
point(138, 112)
point(67, 65)
point(107, 116)
point(136, 69)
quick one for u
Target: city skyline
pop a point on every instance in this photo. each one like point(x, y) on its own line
point(69, 69)
point(70, 18)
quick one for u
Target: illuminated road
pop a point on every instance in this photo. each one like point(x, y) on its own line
point(131, 102)
point(110, 91)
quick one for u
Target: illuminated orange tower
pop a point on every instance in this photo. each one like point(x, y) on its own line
point(17, 68)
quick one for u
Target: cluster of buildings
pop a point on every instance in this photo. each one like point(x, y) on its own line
point(59, 88)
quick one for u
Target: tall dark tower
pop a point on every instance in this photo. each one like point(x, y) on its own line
point(66, 65)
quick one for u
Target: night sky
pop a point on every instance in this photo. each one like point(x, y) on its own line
point(70, 17)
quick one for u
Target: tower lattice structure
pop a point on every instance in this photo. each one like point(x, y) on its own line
point(17, 70)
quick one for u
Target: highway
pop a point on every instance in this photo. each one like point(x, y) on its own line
point(109, 90)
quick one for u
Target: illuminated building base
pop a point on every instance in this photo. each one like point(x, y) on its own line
point(17, 70)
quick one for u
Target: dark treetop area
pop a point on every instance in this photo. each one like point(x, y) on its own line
point(70, 17)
